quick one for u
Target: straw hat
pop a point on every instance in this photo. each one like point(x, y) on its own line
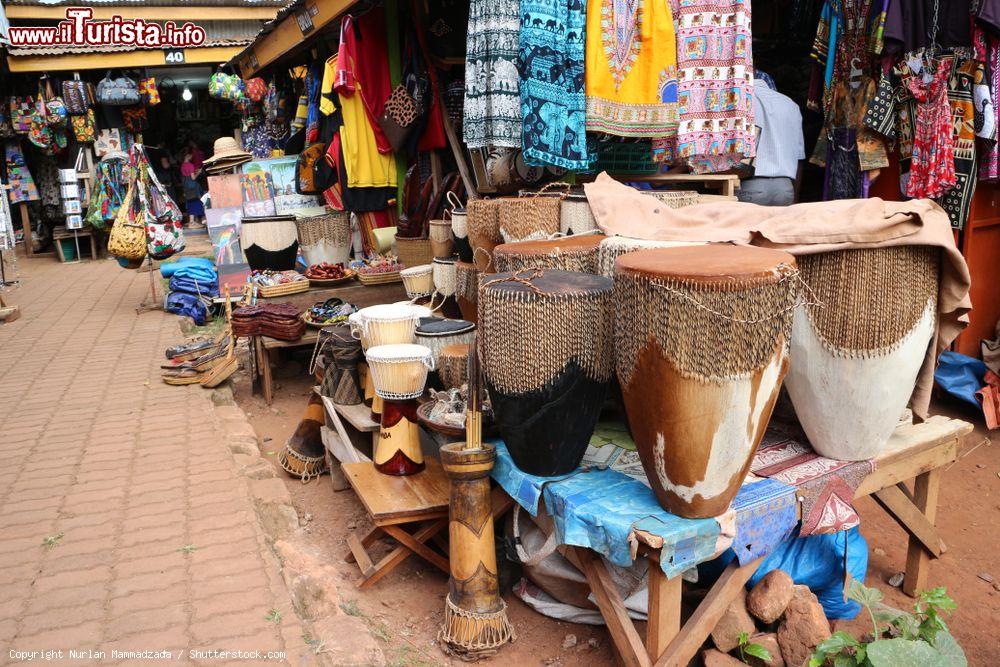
point(227, 149)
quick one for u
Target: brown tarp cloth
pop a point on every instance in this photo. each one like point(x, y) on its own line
point(803, 229)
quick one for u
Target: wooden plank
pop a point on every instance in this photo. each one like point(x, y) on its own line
point(388, 498)
point(664, 608)
point(418, 548)
point(359, 416)
point(399, 554)
point(29, 249)
point(925, 496)
point(623, 633)
point(360, 554)
point(901, 469)
point(9, 314)
point(267, 382)
point(910, 519)
point(369, 539)
point(909, 439)
point(685, 646)
point(344, 452)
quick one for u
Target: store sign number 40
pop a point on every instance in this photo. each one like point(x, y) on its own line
point(174, 56)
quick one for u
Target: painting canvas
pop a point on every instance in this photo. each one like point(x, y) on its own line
point(257, 193)
point(282, 172)
point(224, 231)
point(225, 191)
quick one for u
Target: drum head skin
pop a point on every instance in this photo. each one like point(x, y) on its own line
point(716, 263)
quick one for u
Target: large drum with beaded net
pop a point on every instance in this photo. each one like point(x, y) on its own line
point(613, 247)
point(547, 358)
point(856, 355)
point(467, 290)
point(569, 253)
point(701, 347)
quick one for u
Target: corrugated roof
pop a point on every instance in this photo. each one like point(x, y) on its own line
point(150, 3)
point(107, 48)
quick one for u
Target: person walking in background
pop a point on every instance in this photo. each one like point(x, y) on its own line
point(192, 190)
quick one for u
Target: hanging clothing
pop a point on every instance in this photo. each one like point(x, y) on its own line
point(553, 97)
point(22, 185)
point(363, 48)
point(894, 109)
point(366, 166)
point(932, 168)
point(7, 239)
point(909, 24)
point(988, 52)
point(843, 178)
point(631, 68)
point(848, 106)
point(492, 97)
point(715, 84)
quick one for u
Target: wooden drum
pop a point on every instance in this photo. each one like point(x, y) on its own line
point(854, 361)
point(547, 359)
point(570, 253)
point(399, 373)
point(483, 219)
point(613, 247)
point(467, 290)
point(270, 242)
point(386, 324)
point(325, 238)
point(701, 347)
point(443, 273)
point(453, 365)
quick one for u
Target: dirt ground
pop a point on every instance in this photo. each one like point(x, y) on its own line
point(405, 609)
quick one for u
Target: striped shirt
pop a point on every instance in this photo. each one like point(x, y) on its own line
point(780, 145)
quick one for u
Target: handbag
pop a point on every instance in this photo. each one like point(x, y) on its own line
point(120, 92)
point(105, 196)
point(399, 119)
point(22, 109)
point(148, 91)
point(224, 86)
point(77, 96)
point(305, 177)
point(84, 127)
point(256, 89)
point(108, 141)
point(135, 119)
point(128, 234)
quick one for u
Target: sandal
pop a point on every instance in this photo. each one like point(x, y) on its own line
point(182, 377)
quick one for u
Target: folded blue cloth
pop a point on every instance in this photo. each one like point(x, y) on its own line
point(196, 273)
point(182, 303)
point(168, 269)
point(181, 283)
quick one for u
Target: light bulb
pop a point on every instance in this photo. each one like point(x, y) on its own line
point(186, 95)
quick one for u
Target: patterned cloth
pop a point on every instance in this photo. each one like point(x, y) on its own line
point(492, 101)
point(553, 101)
point(715, 89)
point(825, 486)
point(22, 185)
point(631, 68)
point(847, 110)
point(932, 170)
point(989, 154)
point(602, 508)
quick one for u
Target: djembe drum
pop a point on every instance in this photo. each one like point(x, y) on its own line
point(570, 253)
point(442, 241)
point(546, 348)
point(399, 373)
point(325, 238)
point(384, 324)
point(270, 242)
point(613, 247)
point(453, 365)
point(418, 281)
point(443, 274)
point(467, 290)
point(701, 347)
point(437, 333)
point(854, 361)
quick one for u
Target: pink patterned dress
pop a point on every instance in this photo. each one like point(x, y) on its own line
point(932, 171)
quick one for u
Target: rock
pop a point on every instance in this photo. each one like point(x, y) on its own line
point(277, 516)
point(896, 580)
point(768, 640)
point(569, 641)
point(803, 627)
point(726, 634)
point(716, 658)
point(879, 551)
point(768, 599)
point(593, 643)
point(223, 395)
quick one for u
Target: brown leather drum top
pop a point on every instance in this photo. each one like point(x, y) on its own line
point(576, 243)
point(714, 263)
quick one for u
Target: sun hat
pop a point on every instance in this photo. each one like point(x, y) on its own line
point(227, 149)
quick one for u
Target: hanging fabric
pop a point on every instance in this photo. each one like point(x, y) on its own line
point(22, 185)
point(492, 97)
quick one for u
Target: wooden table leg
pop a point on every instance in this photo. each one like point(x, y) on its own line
point(925, 497)
point(685, 645)
point(664, 608)
point(264, 363)
point(623, 633)
point(418, 547)
point(400, 553)
point(26, 230)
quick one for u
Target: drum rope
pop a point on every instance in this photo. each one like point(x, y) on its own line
point(516, 278)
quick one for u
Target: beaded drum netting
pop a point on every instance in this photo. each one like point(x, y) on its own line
point(872, 297)
point(711, 332)
point(575, 259)
point(335, 227)
point(528, 218)
point(528, 339)
point(467, 282)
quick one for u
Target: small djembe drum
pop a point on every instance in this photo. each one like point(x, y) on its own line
point(399, 373)
point(701, 347)
point(546, 348)
point(443, 274)
point(467, 290)
point(453, 365)
point(270, 242)
point(325, 238)
point(855, 359)
point(483, 220)
point(384, 324)
point(570, 253)
point(442, 241)
point(460, 227)
point(613, 247)
point(418, 281)
point(437, 333)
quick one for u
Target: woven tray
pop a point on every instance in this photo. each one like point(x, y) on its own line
point(270, 291)
point(333, 281)
point(379, 278)
point(423, 415)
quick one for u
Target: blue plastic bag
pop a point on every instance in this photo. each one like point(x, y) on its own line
point(961, 376)
point(182, 303)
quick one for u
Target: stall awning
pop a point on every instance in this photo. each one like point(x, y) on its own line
point(289, 32)
point(72, 58)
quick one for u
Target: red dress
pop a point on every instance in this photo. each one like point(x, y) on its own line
point(932, 171)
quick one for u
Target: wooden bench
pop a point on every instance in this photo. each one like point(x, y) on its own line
point(915, 452)
point(60, 233)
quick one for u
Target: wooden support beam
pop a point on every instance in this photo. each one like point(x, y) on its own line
point(925, 497)
point(685, 646)
point(664, 609)
point(118, 59)
point(417, 547)
point(911, 519)
point(623, 633)
point(29, 250)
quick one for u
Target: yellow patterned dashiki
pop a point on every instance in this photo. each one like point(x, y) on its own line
point(631, 68)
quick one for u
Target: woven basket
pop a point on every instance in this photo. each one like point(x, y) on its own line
point(442, 242)
point(414, 252)
point(379, 278)
point(271, 291)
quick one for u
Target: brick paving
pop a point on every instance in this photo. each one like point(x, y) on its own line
point(120, 472)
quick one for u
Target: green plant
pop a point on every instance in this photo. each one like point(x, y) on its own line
point(274, 616)
point(748, 648)
point(52, 540)
point(898, 637)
